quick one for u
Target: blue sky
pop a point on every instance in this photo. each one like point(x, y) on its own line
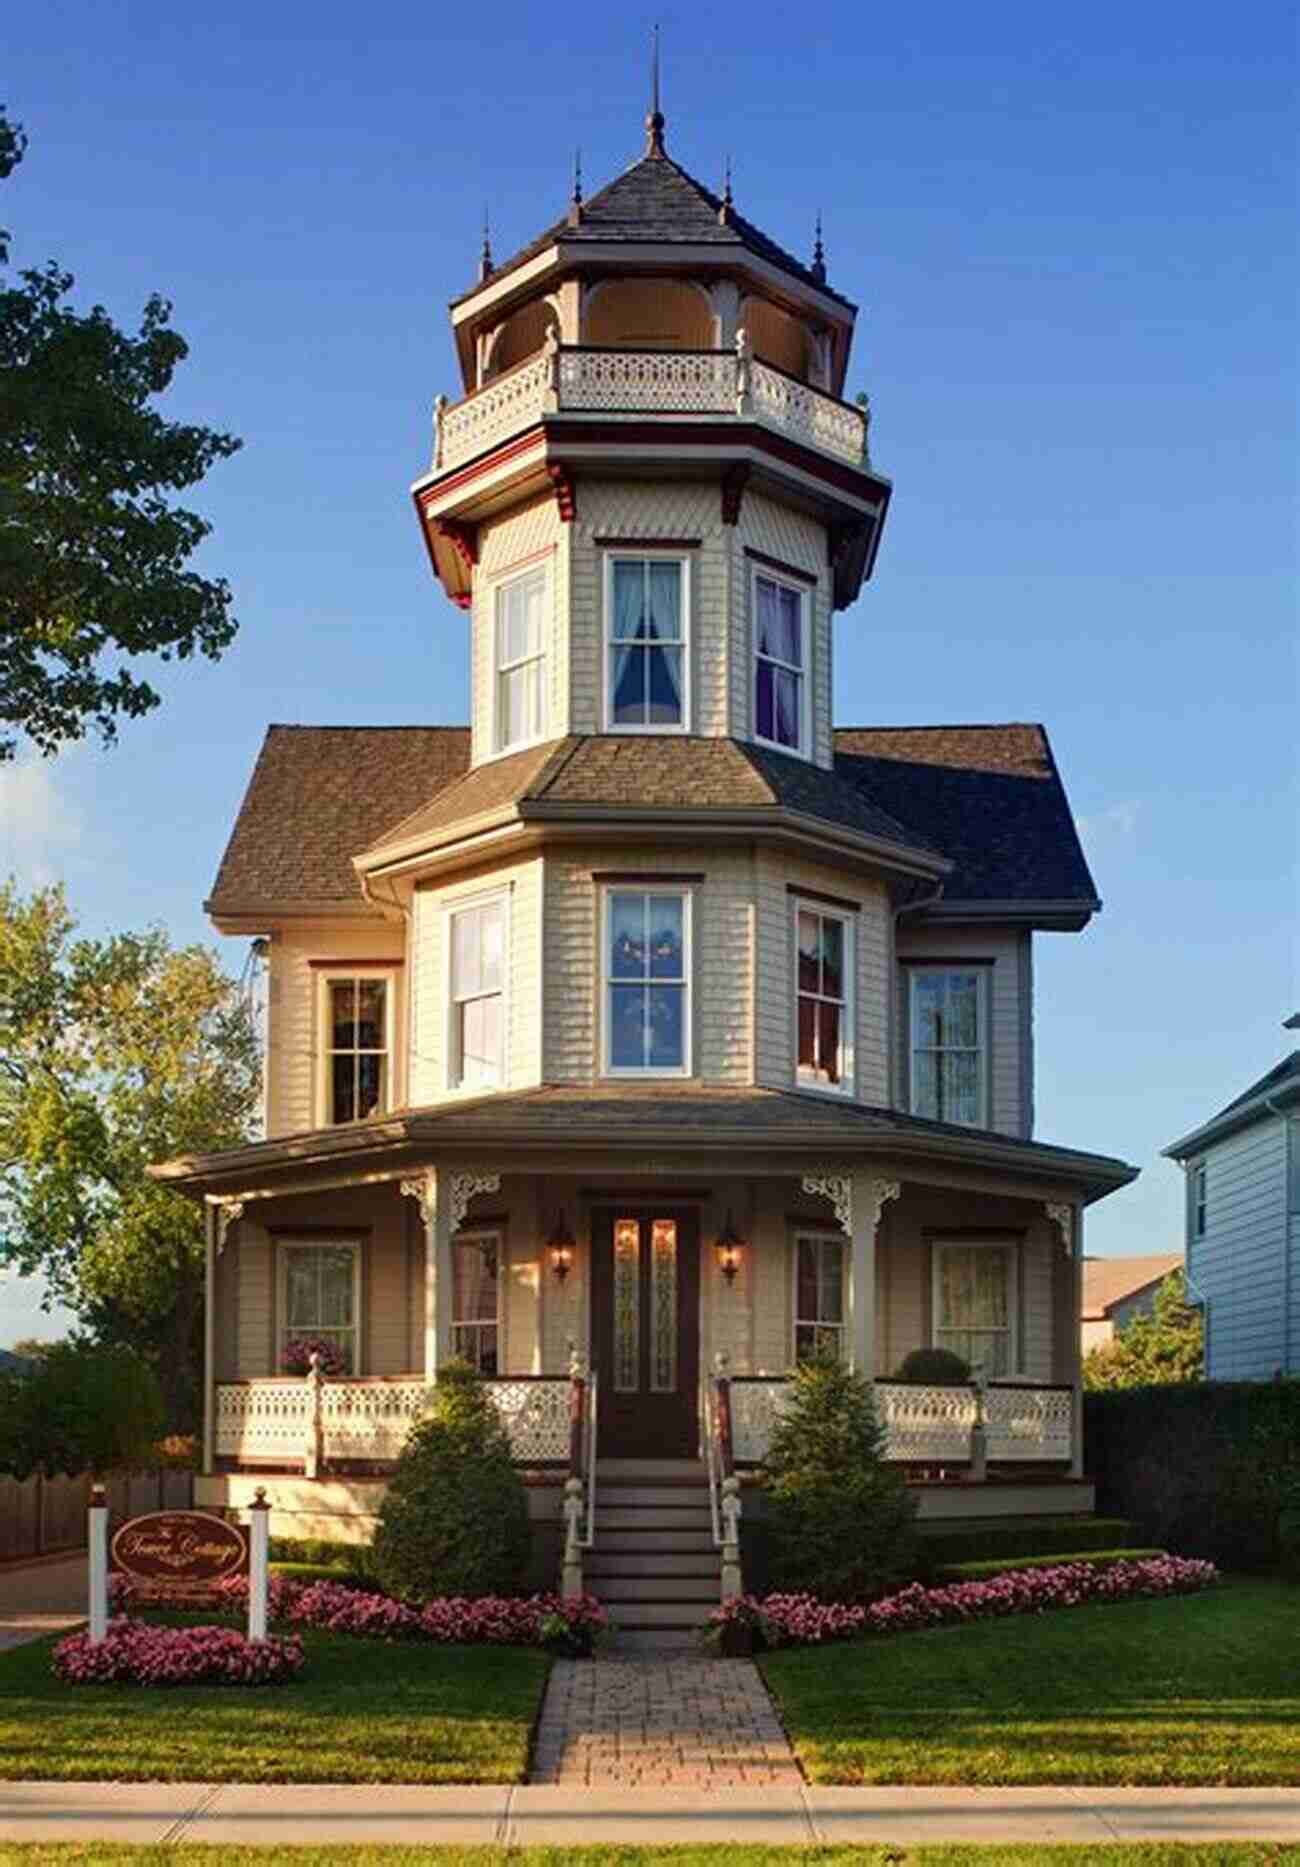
point(1072, 242)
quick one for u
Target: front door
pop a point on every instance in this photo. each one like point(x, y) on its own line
point(646, 1330)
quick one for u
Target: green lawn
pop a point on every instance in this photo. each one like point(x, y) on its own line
point(361, 1712)
point(1221, 1854)
point(1203, 1689)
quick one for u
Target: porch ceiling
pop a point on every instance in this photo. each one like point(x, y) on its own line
point(772, 1131)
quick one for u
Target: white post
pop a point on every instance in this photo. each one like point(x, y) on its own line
point(979, 1440)
point(868, 1202)
point(259, 1516)
point(571, 1575)
point(732, 1582)
point(209, 1338)
point(311, 1450)
point(97, 1538)
point(1076, 1343)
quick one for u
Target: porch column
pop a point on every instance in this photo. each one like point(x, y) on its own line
point(443, 1199)
point(858, 1200)
point(209, 1338)
point(1068, 1219)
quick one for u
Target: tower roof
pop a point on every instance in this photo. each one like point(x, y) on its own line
point(656, 201)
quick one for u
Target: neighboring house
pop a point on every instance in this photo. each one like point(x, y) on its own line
point(650, 1014)
point(1243, 1226)
point(1115, 1290)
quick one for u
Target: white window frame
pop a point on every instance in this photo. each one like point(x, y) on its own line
point(983, 1074)
point(644, 555)
point(283, 1248)
point(821, 1237)
point(479, 1235)
point(685, 893)
point(481, 898)
point(1010, 1248)
point(804, 748)
point(520, 574)
point(846, 1088)
point(343, 974)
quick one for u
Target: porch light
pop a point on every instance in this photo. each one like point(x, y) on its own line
point(729, 1247)
point(560, 1245)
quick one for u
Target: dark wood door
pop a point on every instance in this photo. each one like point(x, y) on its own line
point(646, 1330)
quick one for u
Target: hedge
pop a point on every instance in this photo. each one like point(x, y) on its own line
point(1008, 1565)
point(1206, 1470)
point(1046, 1536)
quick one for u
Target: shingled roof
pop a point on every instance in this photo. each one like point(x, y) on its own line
point(988, 798)
point(657, 201)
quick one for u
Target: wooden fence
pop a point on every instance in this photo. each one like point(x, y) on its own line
point(41, 1516)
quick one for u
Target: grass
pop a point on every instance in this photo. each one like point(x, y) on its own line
point(1219, 1854)
point(362, 1712)
point(1201, 1689)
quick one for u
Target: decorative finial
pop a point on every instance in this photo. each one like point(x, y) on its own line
point(577, 177)
point(654, 123)
point(485, 258)
point(724, 212)
point(819, 254)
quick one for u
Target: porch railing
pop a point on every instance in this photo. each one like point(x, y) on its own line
point(720, 1465)
point(927, 1425)
point(589, 379)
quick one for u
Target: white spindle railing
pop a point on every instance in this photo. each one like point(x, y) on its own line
point(502, 408)
point(926, 1425)
point(804, 413)
point(1029, 1422)
point(692, 382)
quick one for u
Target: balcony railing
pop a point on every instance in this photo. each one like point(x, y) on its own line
point(927, 1425)
point(582, 379)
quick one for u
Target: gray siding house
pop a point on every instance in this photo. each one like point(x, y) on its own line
point(1243, 1227)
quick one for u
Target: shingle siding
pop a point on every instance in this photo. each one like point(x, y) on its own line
point(527, 538)
point(796, 540)
point(1240, 1265)
point(1010, 1021)
point(295, 1042)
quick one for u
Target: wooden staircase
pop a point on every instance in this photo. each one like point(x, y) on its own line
point(654, 1565)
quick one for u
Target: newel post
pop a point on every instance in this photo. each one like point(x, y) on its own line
point(729, 1506)
point(571, 1581)
point(744, 359)
point(551, 393)
point(312, 1449)
point(979, 1439)
point(259, 1517)
point(440, 406)
point(97, 1540)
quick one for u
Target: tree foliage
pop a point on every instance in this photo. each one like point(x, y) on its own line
point(1152, 1351)
point(115, 1054)
point(94, 556)
point(82, 1408)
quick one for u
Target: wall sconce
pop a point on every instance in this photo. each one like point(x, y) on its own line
point(560, 1245)
point(729, 1248)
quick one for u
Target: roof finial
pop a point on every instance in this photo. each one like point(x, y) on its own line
point(724, 212)
point(577, 176)
point(654, 123)
point(819, 254)
point(485, 257)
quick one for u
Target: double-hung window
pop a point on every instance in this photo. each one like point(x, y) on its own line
point(521, 660)
point(646, 942)
point(476, 1300)
point(646, 661)
point(824, 997)
point(358, 1043)
point(476, 943)
point(1200, 1202)
point(949, 1044)
point(819, 1297)
point(974, 1303)
point(780, 663)
point(319, 1301)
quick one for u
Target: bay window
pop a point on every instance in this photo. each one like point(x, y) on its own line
point(357, 1019)
point(645, 986)
point(780, 663)
point(974, 1302)
point(520, 642)
point(476, 1274)
point(646, 664)
point(476, 941)
point(824, 998)
point(319, 1305)
point(819, 1297)
point(949, 1044)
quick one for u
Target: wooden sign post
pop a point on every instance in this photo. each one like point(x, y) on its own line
point(259, 1516)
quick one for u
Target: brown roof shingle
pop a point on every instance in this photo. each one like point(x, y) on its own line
point(1110, 1280)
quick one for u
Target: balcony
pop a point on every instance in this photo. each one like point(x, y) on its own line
point(582, 379)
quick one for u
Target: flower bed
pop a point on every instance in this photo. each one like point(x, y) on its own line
point(801, 1620)
point(494, 1620)
point(136, 1653)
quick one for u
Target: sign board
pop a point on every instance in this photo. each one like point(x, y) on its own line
point(177, 1555)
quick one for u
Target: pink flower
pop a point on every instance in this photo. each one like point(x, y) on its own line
point(137, 1653)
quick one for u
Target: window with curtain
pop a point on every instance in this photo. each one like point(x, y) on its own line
point(974, 1304)
point(476, 940)
point(521, 660)
point(779, 663)
point(818, 1297)
point(949, 1044)
point(646, 645)
point(646, 983)
point(476, 1301)
point(356, 1048)
point(319, 1298)
point(823, 981)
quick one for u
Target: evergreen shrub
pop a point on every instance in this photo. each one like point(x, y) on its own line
point(936, 1367)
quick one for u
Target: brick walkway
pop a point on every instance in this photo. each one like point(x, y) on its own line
point(653, 1720)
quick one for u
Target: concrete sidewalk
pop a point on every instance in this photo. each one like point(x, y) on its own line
point(282, 1815)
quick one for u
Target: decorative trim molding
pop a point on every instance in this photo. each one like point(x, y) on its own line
point(878, 1191)
point(793, 571)
point(838, 1188)
point(229, 1212)
point(827, 901)
point(464, 1188)
point(734, 482)
point(566, 496)
point(647, 544)
point(461, 537)
point(423, 1189)
point(1061, 1215)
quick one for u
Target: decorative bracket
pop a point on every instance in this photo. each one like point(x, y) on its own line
point(228, 1212)
point(1061, 1215)
point(423, 1189)
point(464, 1187)
point(838, 1188)
point(878, 1191)
point(461, 537)
point(566, 496)
point(734, 482)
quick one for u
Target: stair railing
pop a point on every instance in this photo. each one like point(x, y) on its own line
point(724, 1502)
point(593, 1395)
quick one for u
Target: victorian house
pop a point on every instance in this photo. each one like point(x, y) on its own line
point(651, 1032)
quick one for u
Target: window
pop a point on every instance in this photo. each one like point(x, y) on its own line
point(818, 1297)
point(823, 989)
point(520, 661)
point(357, 1025)
point(949, 1064)
point(780, 666)
point(975, 1304)
point(476, 945)
point(646, 981)
point(1198, 1200)
point(320, 1298)
point(646, 666)
point(476, 1300)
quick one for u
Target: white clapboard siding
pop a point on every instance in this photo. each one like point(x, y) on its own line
point(1240, 1265)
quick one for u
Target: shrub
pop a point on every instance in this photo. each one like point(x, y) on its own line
point(840, 1522)
point(81, 1408)
point(937, 1367)
point(1004, 1565)
point(1048, 1536)
point(137, 1653)
point(454, 1520)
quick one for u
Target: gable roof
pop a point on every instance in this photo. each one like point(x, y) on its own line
point(1280, 1085)
point(1107, 1281)
point(657, 201)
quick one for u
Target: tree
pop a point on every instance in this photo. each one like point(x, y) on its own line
point(82, 1408)
point(93, 556)
point(32, 1348)
point(1152, 1351)
point(114, 1054)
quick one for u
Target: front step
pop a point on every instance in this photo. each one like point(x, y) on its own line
point(655, 1565)
point(611, 1564)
